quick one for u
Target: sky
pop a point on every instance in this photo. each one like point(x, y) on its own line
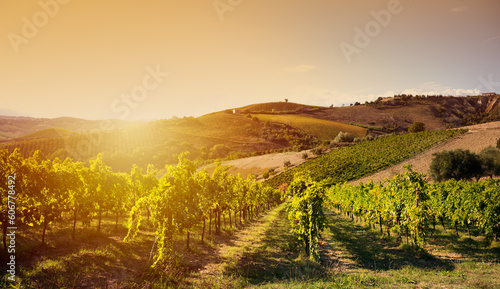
point(154, 59)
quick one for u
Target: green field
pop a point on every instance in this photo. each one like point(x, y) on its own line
point(352, 162)
point(322, 129)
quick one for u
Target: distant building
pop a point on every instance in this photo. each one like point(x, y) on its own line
point(236, 111)
point(489, 94)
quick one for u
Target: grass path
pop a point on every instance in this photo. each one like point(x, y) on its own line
point(365, 259)
point(262, 252)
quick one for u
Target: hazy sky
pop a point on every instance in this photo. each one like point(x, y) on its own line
point(152, 59)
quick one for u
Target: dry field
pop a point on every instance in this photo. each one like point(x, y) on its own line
point(479, 137)
point(259, 164)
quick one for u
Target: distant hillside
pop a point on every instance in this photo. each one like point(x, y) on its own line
point(476, 139)
point(250, 130)
point(322, 129)
point(398, 113)
point(216, 135)
point(282, 107)
point(45, 133)
point(12, 127)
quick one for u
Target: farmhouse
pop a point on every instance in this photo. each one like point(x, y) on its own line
point(489, 94)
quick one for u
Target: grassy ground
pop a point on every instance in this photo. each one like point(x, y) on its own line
point(353, 256)
point(259, 254)
point(92, 260)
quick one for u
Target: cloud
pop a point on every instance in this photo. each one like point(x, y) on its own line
point(459, 9)
point(441, 91)
point(326, 97)
point(491, 40)
point(433, 88)
point(300, 68)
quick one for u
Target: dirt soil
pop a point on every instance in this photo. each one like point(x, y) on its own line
point(479, 137)
point(259, 164)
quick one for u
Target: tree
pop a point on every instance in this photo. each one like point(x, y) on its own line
point(219, 151)
point(498, 143)
point(490, 160)
point(457, 164)
point(416, 127)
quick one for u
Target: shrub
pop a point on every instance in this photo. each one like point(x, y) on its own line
point(498, 143)
point(343, 137)
point(317, 151)
point(265, 175)
point(416, 127)
point(305, 156)
point(287, 163)
point(368, 138)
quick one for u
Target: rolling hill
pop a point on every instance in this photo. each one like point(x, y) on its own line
point(211, 136)
point(476, 139)
point(250, 130)
point(45, 133)
point(399, 112)
point(12, 127)
point(322, 129)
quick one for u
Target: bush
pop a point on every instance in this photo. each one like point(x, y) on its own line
point(368, 138)
point(416, 127)
point(317, 151)
point(305, 156)
point(457, 164)
point(343, 137)
point(498, 143)
point(265, 175)
point(287, 164)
